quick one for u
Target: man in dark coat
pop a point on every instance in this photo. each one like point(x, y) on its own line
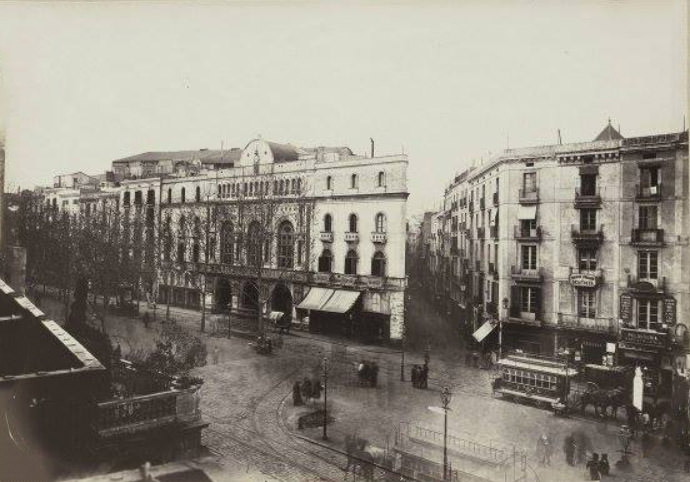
point(569, 449)
point(306, 390)
point(296, 395)
point(316, 389)
point(593, 467)
point(425, 376)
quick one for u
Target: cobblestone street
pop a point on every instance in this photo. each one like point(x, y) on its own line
point(246, 398)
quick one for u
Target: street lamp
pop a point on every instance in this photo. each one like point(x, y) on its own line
point(325, 398)
point(445, 401)
point(504, 314)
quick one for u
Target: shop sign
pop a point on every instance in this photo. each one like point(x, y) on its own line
point(625, 311)
point(583, 280)
point(670, 311)
point(644, 338)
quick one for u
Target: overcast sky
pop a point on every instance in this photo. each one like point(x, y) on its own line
point(88, 83)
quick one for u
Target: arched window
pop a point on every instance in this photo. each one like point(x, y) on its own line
point(286, 245)
point(380, 223)
point(275, 187)
point(378, 264)
point(220, 191)
point(254, 244)
point(282, 186)
point(182, 195)
point(299, 185)
point(197, 194)
point(329, 183)
point(353, 181)
point(181, 243)
point(351, 260)
point(380, 179)
point(227, 247)
point(293, 187)
point(196, 249)
point(326, 261)
point(353, 223)
point(327, 223)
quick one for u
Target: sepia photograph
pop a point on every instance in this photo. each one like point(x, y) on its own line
point(319, 241)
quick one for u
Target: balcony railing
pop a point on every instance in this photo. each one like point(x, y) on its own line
point(575, 322)
point(648, 193)
point(327, 236)
point(139, 413)
point(521, 234)
point(587, 236)
point(495, 199)
point(378, 237)
point(529, 197)
point(587, 197)
point(647, 237)
point(480, 233)
point(351, 237)
point(493, 232)
point(520, 274)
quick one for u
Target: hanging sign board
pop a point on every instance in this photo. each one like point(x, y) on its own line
point(670, 311)
point(583, 280)
point(625, 311)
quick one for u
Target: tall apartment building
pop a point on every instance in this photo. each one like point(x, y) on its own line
point(317, 232)
point(573, 246)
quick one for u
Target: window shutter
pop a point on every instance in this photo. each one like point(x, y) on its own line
point(515, 301)
point(537, 304)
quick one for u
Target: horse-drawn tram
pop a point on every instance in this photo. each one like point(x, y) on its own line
point(542, 381)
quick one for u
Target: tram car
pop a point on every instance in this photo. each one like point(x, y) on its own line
point(541, 381)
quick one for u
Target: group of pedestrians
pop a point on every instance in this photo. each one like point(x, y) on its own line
point(576, 445)
point(306, 391)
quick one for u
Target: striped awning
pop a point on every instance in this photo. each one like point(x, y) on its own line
point(484, 330)
point(341, 301)
point(316, 298)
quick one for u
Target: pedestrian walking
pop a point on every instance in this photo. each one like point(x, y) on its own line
point(297, 395)
point(593, 467)
point(425, 376)
point(569, 447)
point(544, 450)
point(604, 466)
point(582, 445)
point(215, 355)
point(415, 376)
point(306, 390)
point(146, 319)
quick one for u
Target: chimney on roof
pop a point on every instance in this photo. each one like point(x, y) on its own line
point(372, 147)
point(560, 141)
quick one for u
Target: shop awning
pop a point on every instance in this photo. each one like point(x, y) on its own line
point(341, 301)
point(316, 298)
point(484, 331)
point(527, 212)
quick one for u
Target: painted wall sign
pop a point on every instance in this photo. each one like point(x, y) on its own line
point(670, 311)
point(583, 280)
point(625, 311)
point(644, 338)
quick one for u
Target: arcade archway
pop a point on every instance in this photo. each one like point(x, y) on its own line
point(223, 294)
point(250, 296)
point(281, 300)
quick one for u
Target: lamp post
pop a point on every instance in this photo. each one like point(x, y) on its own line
point(325, 398)
point(504, 314)
point(402, 340)
point(445, 401)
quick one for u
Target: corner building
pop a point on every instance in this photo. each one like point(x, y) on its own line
point(580, 247)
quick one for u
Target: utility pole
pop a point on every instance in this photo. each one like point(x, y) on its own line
point(325, 398)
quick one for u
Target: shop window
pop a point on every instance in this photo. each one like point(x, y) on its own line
point(528, 300)
point(647, 265)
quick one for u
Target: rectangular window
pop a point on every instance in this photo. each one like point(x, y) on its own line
point(529, 257)
point(648, 314)
point(586, 304)
point(588, 220)
point(588, 184)
point(587, 259)
point(528, 227)
point(648, 265)
point(649, 177)
point(528, 300)
point(648, 217)
point(529, 182)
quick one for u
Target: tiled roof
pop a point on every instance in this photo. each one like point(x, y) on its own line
point(609, 134)
point(204, 155)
